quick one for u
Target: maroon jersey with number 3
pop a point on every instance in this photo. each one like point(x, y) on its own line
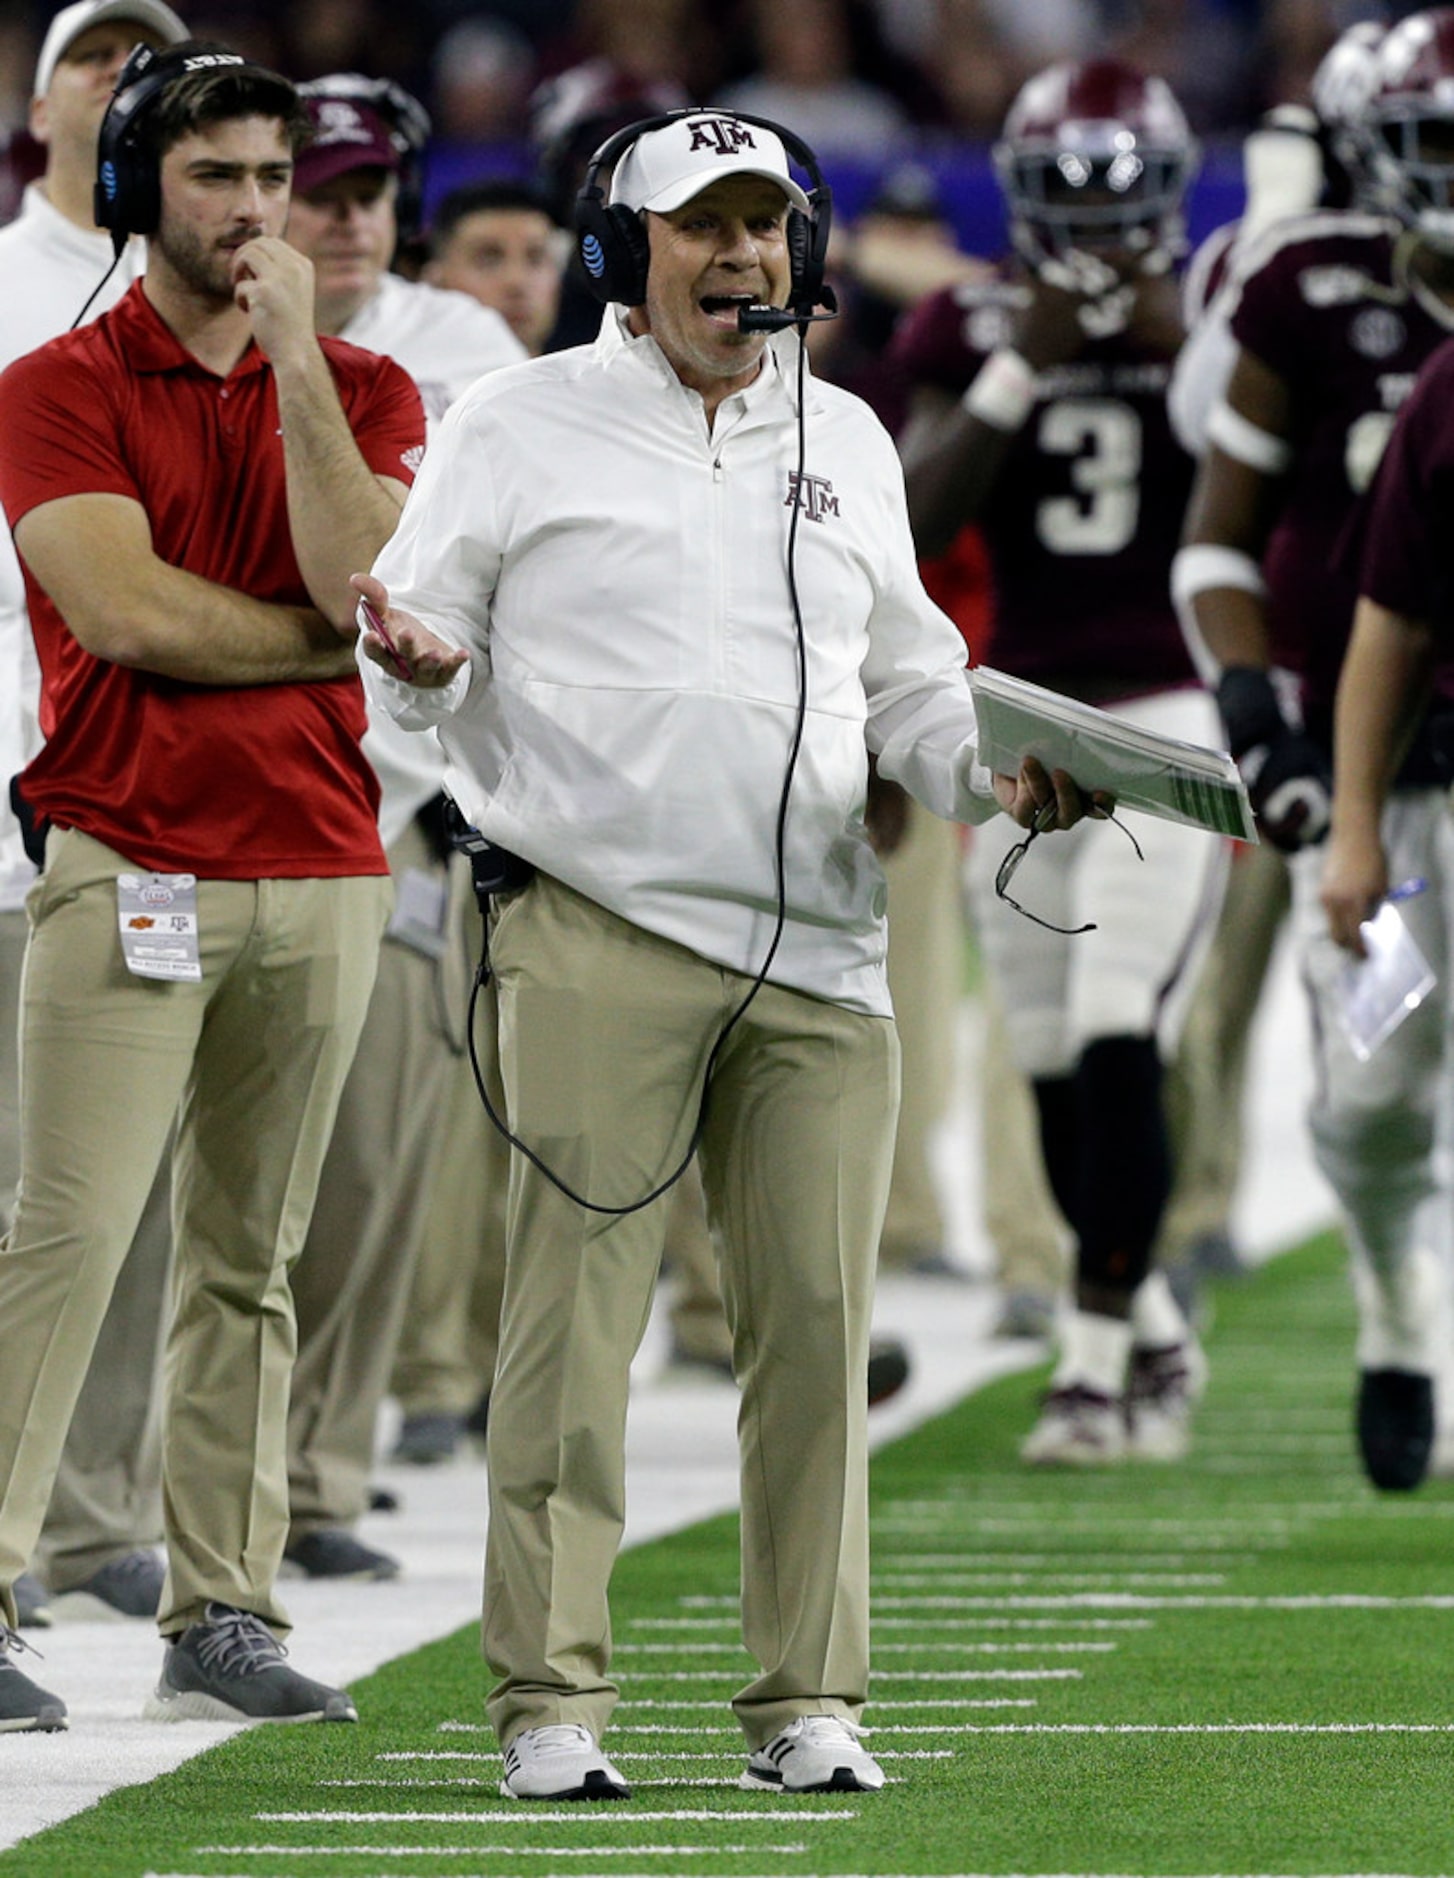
point(1087, 511)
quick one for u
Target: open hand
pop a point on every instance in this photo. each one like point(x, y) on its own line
point(399, 644)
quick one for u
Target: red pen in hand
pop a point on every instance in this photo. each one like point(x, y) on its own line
point(376, 624)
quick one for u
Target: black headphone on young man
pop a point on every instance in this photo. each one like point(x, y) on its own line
point(615, 251)
point(128, 193)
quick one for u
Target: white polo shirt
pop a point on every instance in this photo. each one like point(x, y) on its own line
point(620, 579)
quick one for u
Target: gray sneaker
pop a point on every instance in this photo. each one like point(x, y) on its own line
point(129, 1586)
point(231, 1667)
point(24, 1706)
point(334, 1552)
point(32, 1603)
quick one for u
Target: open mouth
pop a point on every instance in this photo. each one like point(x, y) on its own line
point(722, 308)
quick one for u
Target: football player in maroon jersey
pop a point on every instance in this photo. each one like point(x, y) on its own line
point(1333, 315)
point(1039, 411)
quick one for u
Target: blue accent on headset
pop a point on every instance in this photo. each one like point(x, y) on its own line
point(594, 256)
point(108, 180)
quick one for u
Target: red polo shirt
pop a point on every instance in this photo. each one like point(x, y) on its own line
point(232, 783)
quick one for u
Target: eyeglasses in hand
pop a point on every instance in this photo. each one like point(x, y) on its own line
point(1005, 873)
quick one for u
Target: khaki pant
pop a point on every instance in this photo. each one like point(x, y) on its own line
point(351, 1284)
point(107, 1499)
point(446, 1352)
point(249, 1063)
point(605, 1033)
point(926, 963)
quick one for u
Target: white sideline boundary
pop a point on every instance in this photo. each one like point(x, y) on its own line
point(681, 1465)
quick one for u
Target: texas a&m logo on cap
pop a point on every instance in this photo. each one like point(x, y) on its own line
point(724, 136)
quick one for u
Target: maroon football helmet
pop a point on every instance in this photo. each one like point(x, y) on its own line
point(1410, 118)
point(1096, 156)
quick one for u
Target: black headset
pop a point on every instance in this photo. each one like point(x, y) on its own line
point(128, 194)
point(614, 248)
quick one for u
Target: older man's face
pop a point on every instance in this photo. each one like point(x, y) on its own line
point(725, 248)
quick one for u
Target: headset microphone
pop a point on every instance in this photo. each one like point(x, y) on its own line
point(777, 319)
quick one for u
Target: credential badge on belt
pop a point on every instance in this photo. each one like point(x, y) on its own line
point(157, 914)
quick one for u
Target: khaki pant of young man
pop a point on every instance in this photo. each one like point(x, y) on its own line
point(249, 1062)
point(605, 1034)
point(107, 1498)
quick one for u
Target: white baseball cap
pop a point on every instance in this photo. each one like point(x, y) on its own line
point(667, 167)
point(68, 25)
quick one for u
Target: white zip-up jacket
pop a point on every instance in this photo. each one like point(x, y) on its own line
point(620, 580)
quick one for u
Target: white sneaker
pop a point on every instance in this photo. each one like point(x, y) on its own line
point(1163, 1388)
point(815, 1754)
point(561, 1761)
point(1078, 1427)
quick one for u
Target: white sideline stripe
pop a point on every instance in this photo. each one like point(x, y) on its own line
point(519, 1816)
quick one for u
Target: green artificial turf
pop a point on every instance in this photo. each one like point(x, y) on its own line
point(1241, 1664)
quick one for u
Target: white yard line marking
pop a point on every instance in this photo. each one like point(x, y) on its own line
point(1108, 1600)
point(1048, 1648)
point(1035, 1561)
point(978, 1675)
point(487, 1851)
point(945, 1623)
point(1206, 1728)
point(720, 1755)
point(883, 1875)
point(881, 1675)
point(908, 1581)
point(532, 1812)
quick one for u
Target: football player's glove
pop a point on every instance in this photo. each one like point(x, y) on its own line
point(1288, 776)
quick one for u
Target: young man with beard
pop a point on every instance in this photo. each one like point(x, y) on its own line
point(96, 1549)
point(189, 480)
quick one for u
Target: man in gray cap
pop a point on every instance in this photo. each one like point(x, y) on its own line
point(95, 1552)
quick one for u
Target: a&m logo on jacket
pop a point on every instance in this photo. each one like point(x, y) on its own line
point(723, 136)
point(813, 495)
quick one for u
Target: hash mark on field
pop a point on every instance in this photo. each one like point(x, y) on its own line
point(881, 1675)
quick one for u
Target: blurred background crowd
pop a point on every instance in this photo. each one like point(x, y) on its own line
point(866, 82)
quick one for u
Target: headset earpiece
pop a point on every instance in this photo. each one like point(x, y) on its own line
point(615, 250)
point(128, 194)
point(613, 243)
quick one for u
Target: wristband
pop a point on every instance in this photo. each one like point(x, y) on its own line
point(1247, 700)
point(1003, 392)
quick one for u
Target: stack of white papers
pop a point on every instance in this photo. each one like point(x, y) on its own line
point(1180, 782)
